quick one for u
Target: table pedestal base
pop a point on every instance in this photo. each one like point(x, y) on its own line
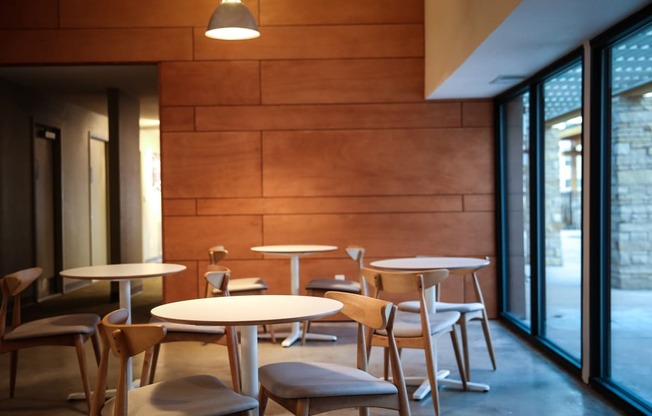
point(295, 334)
point(442, 380)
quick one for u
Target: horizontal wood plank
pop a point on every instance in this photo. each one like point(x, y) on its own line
point(485, 202)
point(211, 165)
point(389, 235)
point(173, 207)
point(292, 12)
point(189, 238)
point(141, 13)
point(209, 83)
point(342, 81)
point(477, 114)
point(95, 46)
point(329, 116)
point(329, 205)
point(29, 14)
point(177, 118)
point(318, 42)
point(382, 162)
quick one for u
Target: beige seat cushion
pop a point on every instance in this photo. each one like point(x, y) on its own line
point(82, 323)
point(300, 379)
point(244, 284)
point(174, 327)
point(200, 395)
point(408, 324)
point(349, 286)
point(413, 306)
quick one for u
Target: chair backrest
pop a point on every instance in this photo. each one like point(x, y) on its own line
point(385, 281)
point(357, 254)
point(123, 341)
point(217, 253)
point(376, 314)
point(473, 272)
point(402, 282)
point(12, 286)
point(217, 277)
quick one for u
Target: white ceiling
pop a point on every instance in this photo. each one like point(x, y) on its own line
point(537, 33)
point(534, 35)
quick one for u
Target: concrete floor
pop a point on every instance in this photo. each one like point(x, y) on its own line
point(526, 383)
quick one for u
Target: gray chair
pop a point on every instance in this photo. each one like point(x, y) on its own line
point(219, 278)
point(237, 287)
point(319, 286)
point(308, 388)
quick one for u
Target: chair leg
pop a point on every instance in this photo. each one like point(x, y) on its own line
point(272, 336)
point(262, 401)
point(431, 366)
point(234, 358)
point(386, 363)
point(83, 368)
point(304, 333)
point(465, 346)
point(154, 360)
point(147, 366)
point(13, 367)
point(95, 340)
point(458, 357)
point(487, 338)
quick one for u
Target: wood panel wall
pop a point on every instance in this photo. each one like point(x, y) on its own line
point(317, 132)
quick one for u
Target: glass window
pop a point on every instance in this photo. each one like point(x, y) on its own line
point(562, 209)
point(517, 200)
point(631, 212)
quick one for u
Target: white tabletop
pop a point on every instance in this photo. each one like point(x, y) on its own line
point(123, 271)
point(427, 263)
point(247, 310)
point(294, 249)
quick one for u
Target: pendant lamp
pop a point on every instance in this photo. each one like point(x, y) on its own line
point(232, 21)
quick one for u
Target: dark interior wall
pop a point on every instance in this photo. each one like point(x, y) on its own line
point(125, 185)
point(20, 108)
point(15, 180)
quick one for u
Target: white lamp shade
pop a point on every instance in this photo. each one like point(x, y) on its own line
point(232, 21)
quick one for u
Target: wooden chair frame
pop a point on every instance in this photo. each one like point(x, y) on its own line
point(402, 283)
point(12, 286)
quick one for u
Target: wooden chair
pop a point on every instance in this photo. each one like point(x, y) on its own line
point(308, 388)
point(71, 330)
point(469, 311)
point(319, 286)
point(237, 287)
point(418, 331)
point(191, 395)
point(219, 278)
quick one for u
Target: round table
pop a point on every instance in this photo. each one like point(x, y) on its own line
point(247, 312)
point(124, 274)
point(294, 252)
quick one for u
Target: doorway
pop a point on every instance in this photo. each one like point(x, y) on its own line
point(47, 209)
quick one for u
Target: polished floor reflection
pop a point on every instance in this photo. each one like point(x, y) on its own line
point(525, 383)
